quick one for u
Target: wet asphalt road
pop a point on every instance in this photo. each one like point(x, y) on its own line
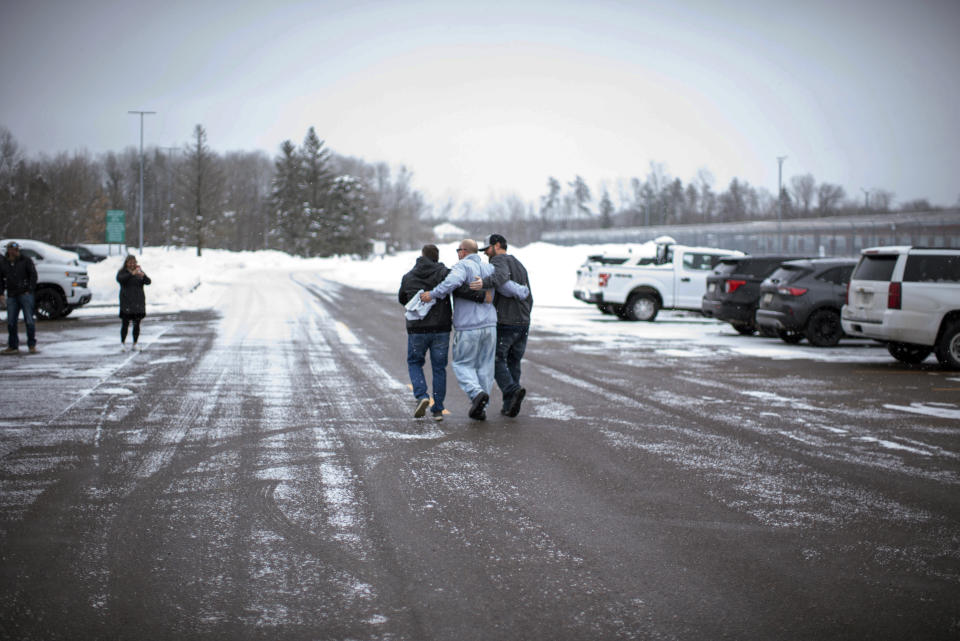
point(256, 474)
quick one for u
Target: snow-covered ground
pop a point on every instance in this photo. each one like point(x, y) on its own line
point(183, 281)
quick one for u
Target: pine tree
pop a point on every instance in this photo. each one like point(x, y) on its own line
point(288, 224)
point(314, 189)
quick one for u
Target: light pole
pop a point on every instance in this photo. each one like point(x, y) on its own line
point(140, 204)
point(780, 160)
point(866, 199)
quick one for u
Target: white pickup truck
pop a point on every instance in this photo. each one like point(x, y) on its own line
point(61, 279)
point(638, 289)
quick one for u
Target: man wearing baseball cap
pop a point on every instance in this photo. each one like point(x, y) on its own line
point(18, 277)
point(513, 321)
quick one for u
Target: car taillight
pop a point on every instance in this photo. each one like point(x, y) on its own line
point(733, 285)
point(603, 278)
point(791, 291)
point(893, 296)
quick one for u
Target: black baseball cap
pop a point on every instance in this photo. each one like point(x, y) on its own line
point(492, 240)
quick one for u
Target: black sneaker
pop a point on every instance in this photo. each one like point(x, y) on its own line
point(476, 407)
point(516, 401)
point(421, 408)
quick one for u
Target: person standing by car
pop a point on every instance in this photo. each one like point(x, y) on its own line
point(513, 321)
point(133, 303)
point(18, 277)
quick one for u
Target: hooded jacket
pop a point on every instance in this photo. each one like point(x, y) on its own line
point(425, 275)
point(17, 277)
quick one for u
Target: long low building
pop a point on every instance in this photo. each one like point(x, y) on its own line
point(834, 236)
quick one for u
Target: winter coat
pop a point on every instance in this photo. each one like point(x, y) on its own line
point(467, 314)
point(510, 311)
point(17, 277)
point(425, 275)
point(132, 300)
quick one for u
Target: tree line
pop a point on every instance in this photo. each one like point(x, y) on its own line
point(659, 199)
point(306, 201)
point(310, 201)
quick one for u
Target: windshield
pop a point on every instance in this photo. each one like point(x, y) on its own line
point(787, 274)
point(875, 267)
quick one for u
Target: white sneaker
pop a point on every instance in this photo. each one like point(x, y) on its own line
point(137, 347)
point(123, 347)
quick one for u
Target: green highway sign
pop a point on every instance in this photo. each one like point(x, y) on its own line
point(116, 226)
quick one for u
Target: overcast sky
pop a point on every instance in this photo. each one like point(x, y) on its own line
point(485, 99)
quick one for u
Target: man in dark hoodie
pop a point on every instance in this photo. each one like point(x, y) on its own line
point(430, 332)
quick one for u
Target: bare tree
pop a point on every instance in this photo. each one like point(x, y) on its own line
point(803, 190)
point(828, 198)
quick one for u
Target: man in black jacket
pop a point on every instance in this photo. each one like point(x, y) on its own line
point(429, 329)
point(18, 277)
point(513, 321)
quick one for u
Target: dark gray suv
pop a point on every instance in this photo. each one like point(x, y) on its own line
point(803, 298)
point(733, 289)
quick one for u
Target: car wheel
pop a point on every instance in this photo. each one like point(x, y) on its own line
point(788, 336)
point(948, 349)
point(744, 330)
point(909, 353)
point(823, 328)
point(641, 307)
point(49, 304)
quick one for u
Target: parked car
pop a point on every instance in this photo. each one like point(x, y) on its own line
point(733, 289)
point(61, 279)
point(86, 254)
point(803, 299)
point(587, 288)
point(909, 298)
point(676, 279)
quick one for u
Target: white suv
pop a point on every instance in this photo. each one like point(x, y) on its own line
point(61, 279)
point(908, 297)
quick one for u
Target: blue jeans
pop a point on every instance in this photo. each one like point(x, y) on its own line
point(473, 353)
point(417, 345)
point(16, 304)
point(511, 344)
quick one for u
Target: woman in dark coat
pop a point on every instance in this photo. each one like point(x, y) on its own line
point(133, 304)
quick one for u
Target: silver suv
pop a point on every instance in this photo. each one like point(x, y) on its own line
point(908, 297)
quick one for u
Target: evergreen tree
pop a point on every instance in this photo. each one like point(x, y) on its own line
point(288, 221)
point(348, 217)
point(315, 187)
point(606, 211)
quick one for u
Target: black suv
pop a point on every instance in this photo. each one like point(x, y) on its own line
point(85, 254)
point(803, 299)
point(733, 289)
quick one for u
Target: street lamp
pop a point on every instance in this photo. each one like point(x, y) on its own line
point(866, 199)
point(140, 204)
